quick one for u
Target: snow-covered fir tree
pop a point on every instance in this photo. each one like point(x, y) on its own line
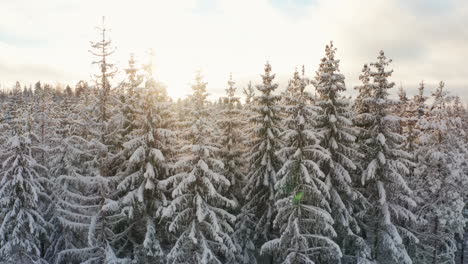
point(362, 119)
point(87, 192)
point(74, 203)
point(415, 110)
point(362, 104)
point(264, 162)
point(147, 161)
point(129, 96)
point(47, 113)
point(80, 195)
point(438, 184)
point(338, 136)
point(303, 219)
point(403, 101)
point(457, 114)
point(44, 115)
point(420, 100)
point(231, 153)
point(384, 173)
point(200, 220)
point(64, 150)
point(231, 141)
point(410, 110)
point(23, 189)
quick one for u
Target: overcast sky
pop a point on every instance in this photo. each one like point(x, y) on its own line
point(48, 40)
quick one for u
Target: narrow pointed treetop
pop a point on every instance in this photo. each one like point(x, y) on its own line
point(263, 160)
point(199, 212)
point(249, 93)
point(338, 135)
point(301, 193)
point(385, 173)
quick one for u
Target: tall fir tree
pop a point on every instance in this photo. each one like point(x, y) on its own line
point(129, 96)
point(88, 196)
point(232, 147)
point(198, 212)
point(362, 103)
point(231, 141)
point(384, 172)
point(303, 218)
point(438, 180)
point(263, 159)
point(23, 191)
point(338, 135)
point(147, 161)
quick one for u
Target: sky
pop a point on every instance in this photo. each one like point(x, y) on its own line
point(49, 40)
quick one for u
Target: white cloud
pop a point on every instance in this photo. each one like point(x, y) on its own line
point(238, 37)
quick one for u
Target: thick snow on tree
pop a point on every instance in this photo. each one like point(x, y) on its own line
point(439, 181)
point(231, 141)
point(338, 136)
point(303, 218)
point(147, 161)
point(129, 97)
point(88, 194)
point(384, 174)
point(73, 206)
point(198, 211)
point(65, 152)
point(232, 149)
point(84, 209)
point(410, 112)
point(363, 118)
point(362, 102)
point(242, 237)
point(80, 195)
point(23, 229)
point(88, 218)
point(264, 162)
point(45, 116)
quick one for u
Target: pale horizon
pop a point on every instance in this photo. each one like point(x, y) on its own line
point(49, 41)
